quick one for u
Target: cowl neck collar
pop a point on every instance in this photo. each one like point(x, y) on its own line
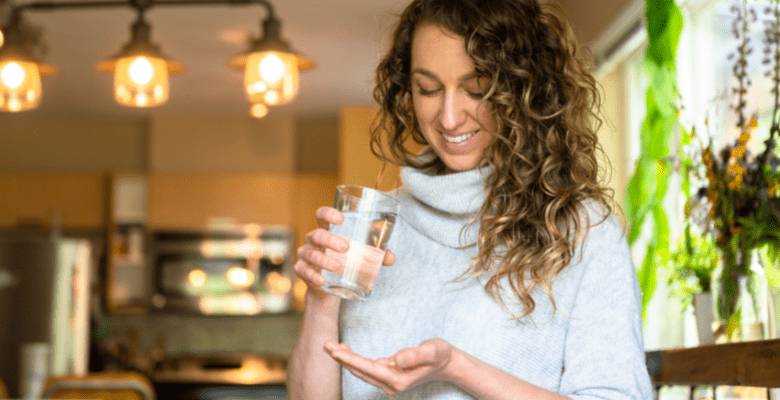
point(440, 206)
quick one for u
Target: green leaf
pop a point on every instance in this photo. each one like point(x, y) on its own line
point(661, 223)
point(648, 184)
point(664, 27)
point(647, 277)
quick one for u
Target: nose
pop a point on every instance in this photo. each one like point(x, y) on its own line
point(452, 113)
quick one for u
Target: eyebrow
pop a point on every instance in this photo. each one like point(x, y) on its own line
point(431, 75)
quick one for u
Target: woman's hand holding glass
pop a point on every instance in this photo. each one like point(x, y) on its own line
point(311, 255)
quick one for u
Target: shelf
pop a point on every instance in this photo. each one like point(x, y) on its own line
point(754, 363)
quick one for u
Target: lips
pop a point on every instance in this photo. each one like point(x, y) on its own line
point(459, 138)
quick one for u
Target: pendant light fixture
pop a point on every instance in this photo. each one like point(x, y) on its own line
point(20, 70)
point(140, 69)
point(271, 67)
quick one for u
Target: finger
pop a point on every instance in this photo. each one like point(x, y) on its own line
point(328, 215)
point(330, 346)
point(376, 371)
point(311, 277)
point(389, 258)
point(326, 239)
point(413, 357)
point(387, 361)
point(317, 260)
point(361, 374)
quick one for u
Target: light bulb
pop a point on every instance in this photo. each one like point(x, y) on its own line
point(271, 77)
point(258, 87)
point(14, 105)
point(12, 75)
point(141, 100)
point(20, 86)
point(271, 97)
point(271, 68)
point(2, 38)
point(240, 277)
point(141, 71)
point(141, 81)
point(197, 278)
point(258, 110)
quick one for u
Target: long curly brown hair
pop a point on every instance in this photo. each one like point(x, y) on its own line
point(544, 154)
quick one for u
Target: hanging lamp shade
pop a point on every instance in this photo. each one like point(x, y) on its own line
point(140, 70)
point(271, 67)
point(20, 72)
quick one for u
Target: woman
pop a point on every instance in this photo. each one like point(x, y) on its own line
point(510, 278)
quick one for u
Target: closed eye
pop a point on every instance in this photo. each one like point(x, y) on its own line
point(424, 92)
point(475, 95)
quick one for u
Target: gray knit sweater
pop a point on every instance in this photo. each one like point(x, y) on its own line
point(591, 348)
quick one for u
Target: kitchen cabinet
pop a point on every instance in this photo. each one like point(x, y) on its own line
point(357, 164)
point(192, 201)
point(53, 201)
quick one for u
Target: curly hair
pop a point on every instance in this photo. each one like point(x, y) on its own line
point(544, 154)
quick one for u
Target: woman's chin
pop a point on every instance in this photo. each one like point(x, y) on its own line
point(459, 163)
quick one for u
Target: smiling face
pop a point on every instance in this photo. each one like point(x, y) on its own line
point(447, 97)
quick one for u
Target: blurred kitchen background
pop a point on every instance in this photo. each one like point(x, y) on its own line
point(160, 240)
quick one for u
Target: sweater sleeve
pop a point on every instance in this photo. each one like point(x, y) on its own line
point(603, 353)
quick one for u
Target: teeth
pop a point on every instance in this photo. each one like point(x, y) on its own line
point(459, 139)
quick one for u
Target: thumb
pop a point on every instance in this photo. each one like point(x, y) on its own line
point(389, 258)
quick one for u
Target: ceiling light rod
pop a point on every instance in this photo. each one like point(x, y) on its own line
point(143, 4)
point(270, 64)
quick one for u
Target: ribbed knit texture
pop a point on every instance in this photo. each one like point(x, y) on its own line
point(590, 348)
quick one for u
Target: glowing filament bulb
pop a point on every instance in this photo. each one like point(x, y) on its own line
point(141, 71)
point(12, 75)
point(272, 68)
point(258, 110)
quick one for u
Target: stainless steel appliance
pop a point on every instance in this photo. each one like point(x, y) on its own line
point(44, 297)
point(244, 271)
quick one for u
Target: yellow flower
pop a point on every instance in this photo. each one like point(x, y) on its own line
point(753, 123)
point(735, 182)
point(738, 152)
point(735, 172)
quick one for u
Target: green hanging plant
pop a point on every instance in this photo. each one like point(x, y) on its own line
point(648, 184)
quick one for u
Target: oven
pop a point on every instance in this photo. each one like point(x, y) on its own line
point(245, 271)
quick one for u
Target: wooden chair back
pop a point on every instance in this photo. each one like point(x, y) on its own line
point(100, 386)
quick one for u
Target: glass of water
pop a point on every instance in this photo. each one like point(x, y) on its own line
point(369, 217)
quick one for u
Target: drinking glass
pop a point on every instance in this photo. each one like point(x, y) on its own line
point(369, 217)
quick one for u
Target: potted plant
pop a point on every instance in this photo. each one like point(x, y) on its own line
point(691, 266)
point(741, 192)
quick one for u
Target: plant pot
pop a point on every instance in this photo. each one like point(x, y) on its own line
point(703, 310)
point(744, 302)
